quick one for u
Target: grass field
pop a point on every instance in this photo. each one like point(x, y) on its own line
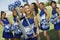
point(52, 33)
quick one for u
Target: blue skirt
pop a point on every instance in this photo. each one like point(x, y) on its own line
point(7, 34)
point(17, 35)
point(44, 25)
point(35, 38)
point(57, 26)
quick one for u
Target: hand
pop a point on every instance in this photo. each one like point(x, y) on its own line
point(55, 19)
point(34, 36)
point(38, 31)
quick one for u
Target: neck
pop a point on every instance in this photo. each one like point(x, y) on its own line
point(54, 8)
point(22, 12)
point(2, 18)
point(29, 16)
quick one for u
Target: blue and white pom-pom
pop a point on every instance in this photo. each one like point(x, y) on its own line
point(24, 0)
point(11, 7)
point(17, 3)
point(7, 28)
point(52, 19)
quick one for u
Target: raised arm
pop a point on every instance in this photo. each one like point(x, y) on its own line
point(37, 2)
point(27, 2)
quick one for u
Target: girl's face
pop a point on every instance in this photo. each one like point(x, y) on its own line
point(14, 13)
point(41, 6)
point(21, 9)
point(32, 6)
point(27, 10)
point(3, 15)
point(53, 5)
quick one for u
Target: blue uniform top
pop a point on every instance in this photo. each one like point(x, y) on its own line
point(42, 12)
point(55, 14)
point(44, 24)
point(57, 22)
point(31, 21)
point(54, 11)
point(5, 21)
point(14, 19)
point(26, 26)
point(7, 27)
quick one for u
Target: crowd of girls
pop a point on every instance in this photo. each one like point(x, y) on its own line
point(30, 12)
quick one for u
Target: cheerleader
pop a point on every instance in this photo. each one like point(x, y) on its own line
point(56, 11)
point(7, 34)
point(22, 11)
point(44, 20)
point(33, 23)
point(15, 28)
point(34, 7)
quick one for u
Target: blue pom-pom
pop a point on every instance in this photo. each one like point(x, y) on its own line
point(11, 7)
point(52, 19)
point(17, 3)
point(24, 0)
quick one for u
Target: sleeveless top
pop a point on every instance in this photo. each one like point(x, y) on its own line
point(42, 15)
point(54, 15)
point(26, 26)
point(7, 26)
point(44, 24)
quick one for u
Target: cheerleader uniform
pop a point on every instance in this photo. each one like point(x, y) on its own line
point(29, 33)
point(44, 24)
point(56, 25)
point(16, 29)
point(7, 29)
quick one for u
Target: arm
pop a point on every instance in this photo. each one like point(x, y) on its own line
point(9, 21)
point(48, 15)
point(1, 23)
point(36, 23)
point(58, 11)
point(37, 2)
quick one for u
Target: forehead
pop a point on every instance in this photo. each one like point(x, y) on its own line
point(4, 13)
point(53, 3)
point(21, 7)
point(26, 7)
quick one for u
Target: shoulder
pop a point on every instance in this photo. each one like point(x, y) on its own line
point(45, 9)
point(35, 18)
point(57, 9)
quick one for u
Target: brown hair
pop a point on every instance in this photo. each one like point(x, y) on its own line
point(42, 3)
point(26, 5)
point(2, 13)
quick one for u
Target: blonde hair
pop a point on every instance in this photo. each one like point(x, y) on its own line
point(30, 10)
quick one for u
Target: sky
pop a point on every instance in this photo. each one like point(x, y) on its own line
point(4, 3)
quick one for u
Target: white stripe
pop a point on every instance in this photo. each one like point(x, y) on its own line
point(43, 17)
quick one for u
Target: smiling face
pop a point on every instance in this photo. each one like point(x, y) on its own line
point(21, 9)
point(41, 5)
point(53, 5)
point(14, 13)
point(27, 9)
point(3, 15)
point(32, 6)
